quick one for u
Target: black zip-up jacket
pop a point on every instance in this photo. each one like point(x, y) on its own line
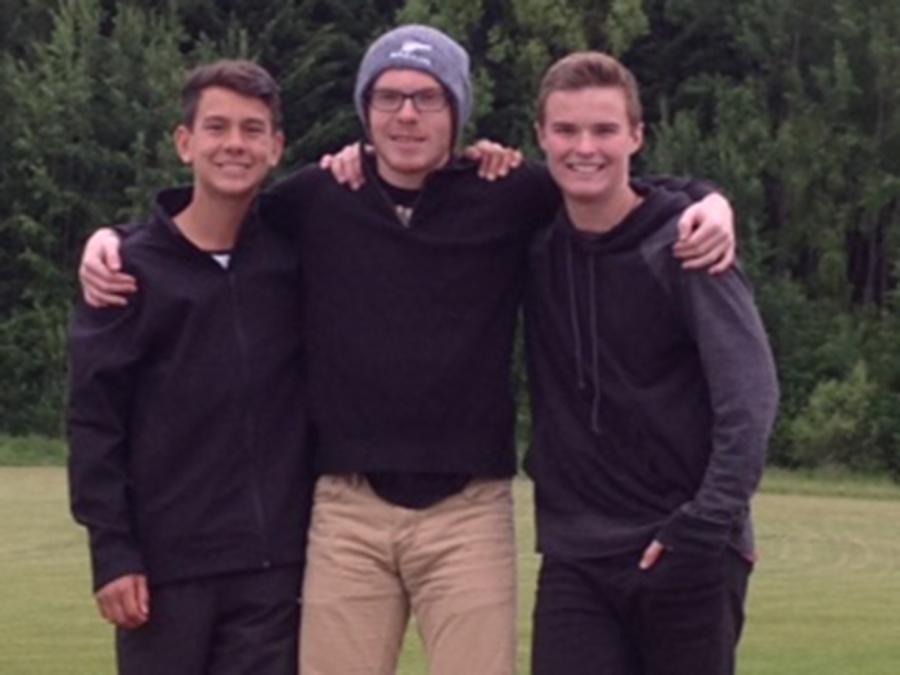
point(653, 391)
point(186, 418)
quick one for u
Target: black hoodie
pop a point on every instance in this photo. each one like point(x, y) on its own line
point(186, 419)
point(653, 391)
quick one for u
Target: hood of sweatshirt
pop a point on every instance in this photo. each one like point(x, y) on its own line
point(168, 203)
point(658, 207)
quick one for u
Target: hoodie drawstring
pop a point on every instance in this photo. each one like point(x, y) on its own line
point(576, 330)
point(573, 315)
point(595, 342)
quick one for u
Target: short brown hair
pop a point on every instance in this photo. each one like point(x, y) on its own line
point(242, 77)
point(582, 70)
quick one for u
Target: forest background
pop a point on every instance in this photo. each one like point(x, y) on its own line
point(791, 106)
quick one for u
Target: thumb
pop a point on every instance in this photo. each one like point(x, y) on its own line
point(143, 595)
point(109, 253)
point(651, 555)
point(687, 223)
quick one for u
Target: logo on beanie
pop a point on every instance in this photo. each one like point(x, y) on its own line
point(412, 51)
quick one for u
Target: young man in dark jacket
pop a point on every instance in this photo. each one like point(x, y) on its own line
point(411, 289)
point(654, 393)
point(187, 422)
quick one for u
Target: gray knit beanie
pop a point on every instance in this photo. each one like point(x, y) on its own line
point(420, 48)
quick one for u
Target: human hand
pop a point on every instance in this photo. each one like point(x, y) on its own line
point(495, 160)
point(102, 281)
point(651, 555)
point(346, 165)
point(706, 235)
point(125, 602)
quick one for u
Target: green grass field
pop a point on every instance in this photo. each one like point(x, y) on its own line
point(825, 599)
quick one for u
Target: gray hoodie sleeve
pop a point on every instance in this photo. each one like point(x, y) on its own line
point(740, 373)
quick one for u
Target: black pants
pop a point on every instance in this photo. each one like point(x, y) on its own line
point(606, 617)
point(231, 624)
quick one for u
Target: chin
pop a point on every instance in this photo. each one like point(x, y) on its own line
point(236, 191)
point(583, 192)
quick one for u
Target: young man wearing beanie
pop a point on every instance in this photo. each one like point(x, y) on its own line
point(653, 393)
point(411, 288)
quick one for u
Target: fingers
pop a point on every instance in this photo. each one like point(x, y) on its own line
point(687, 223)
point(109, 250)
point(103, 288)
point(706, 248)
point(325, 161)
point(125, 602)
point(103, 283)
point(725, 263)
point(706, 235)
point(704, 261)
point(495, 160)
point(651, 556)
point(704, 241)
point(346, 166)
point(142, 596)
point(701, 241)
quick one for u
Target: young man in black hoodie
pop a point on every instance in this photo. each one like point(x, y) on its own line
point(654, 393)
point(186, 420)
point(410, 290)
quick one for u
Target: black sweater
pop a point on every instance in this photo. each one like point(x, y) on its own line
point(653, 391)
point(411, 325)
point(410, 328)
point(186, 416)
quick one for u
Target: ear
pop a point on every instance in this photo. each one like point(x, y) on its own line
point(182, 139)
point(540, 135)
point(637, 137)
point(277, 149)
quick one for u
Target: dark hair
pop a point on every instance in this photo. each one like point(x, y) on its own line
point(242, 77)
point(582, 70)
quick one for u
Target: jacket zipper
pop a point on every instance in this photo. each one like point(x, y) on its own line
point(249, 432)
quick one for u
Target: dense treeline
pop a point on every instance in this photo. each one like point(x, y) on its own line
point(790, 105)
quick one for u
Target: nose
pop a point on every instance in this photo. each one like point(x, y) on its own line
point(234, 139)
point(583, 143)
point(407, 110)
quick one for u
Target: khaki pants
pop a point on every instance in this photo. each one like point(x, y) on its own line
point(369, 563)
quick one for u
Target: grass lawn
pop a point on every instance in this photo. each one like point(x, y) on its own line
point(824, 599)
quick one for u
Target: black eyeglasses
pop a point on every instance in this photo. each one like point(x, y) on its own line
point(423, 100)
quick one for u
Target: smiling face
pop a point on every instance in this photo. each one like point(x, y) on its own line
point(231, 145)
point(409, 144)
point(588, 141)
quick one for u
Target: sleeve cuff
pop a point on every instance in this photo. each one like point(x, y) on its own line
point(113, 555)
point(687, 533)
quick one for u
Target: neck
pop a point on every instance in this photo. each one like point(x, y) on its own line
point(602, 215)
point(212, 224)
point(407, 180)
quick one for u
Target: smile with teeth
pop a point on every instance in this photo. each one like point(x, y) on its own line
point(233, 166)
point(406, 138)
point(584, 167)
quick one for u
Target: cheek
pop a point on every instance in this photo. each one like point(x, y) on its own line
point(556, 166)
point(377, 130)
point(554, 149)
